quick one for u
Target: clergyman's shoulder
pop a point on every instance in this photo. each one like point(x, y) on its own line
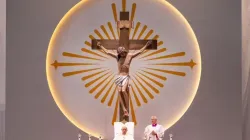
point(148, 126)
point(160, 125)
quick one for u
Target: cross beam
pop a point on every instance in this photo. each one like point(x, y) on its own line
point(133, 44)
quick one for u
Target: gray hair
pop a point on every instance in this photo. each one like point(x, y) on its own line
point(124, 127)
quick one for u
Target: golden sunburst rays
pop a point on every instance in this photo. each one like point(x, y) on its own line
point(107, 93)
point(179, 54)
point(124, 5)
point(190, 64)
point(137, 26)
point(99, 75)
point(86, 61)
point(115, 16)
point(57, 64)
point(71, 73)
point(132, 110)
point(115, 114)
point(73, 55)
point(157, 58)
point(134, 84)
point(112, 30)
point(132, 15)
point(176, 73)
point(112, 97)
point(104, 32)
point(145, 83)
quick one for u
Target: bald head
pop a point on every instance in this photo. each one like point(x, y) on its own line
point(154, 120)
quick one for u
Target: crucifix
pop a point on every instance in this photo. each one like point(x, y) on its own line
point(124, 57)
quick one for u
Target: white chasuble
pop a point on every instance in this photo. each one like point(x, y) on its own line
point(123, 137)
point(158, 129)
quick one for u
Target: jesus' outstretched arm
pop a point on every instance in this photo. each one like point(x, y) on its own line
point(106, 51)
point(142, 49)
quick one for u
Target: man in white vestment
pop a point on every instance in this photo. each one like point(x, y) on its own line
point(124, 135)
point(154, 131)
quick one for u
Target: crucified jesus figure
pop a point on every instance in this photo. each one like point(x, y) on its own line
point(124, 59)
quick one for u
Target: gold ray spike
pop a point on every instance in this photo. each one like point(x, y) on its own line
point(78, 72)
point(159, 43)
point(191, 64)
point(155, 52)
point(136, 98)
point(91, 37)
point(154, 81)
point(67, 54)
point(98, 34)
point(107, 93)
point(87, 43)
point(112, 97)
point(123, 5)
point(115, 16)
point(148, 84)
point(132, 111)
point(57, 64)
point(132, 14)
point(133, 11)
point(91, 52)
point(95, 80)
point(168, 56)
point(155, 75)
point(138, 24)
point(142, 31)
point(115, 111)
point(99, 84)
point(114, 12)
point(155, 37)
point(105, 31)
point(112, 30)
point(169, 72)
point(104, 87)
point(92, 75)
point(145, 89)
point(148, 34)
point(141, 94)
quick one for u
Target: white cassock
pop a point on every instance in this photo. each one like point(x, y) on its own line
point(157, 129)
point(123, 137)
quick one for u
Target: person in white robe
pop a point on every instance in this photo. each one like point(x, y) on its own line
point(154, 131)
point(124, 135)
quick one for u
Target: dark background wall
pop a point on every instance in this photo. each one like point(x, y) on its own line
point(2, 66)
point(215, 113)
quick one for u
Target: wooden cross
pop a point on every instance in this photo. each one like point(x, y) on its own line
point(124, 25)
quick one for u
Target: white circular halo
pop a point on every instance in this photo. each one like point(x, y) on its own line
point(178, 58)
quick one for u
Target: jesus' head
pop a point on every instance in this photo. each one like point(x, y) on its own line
point(121, 51)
